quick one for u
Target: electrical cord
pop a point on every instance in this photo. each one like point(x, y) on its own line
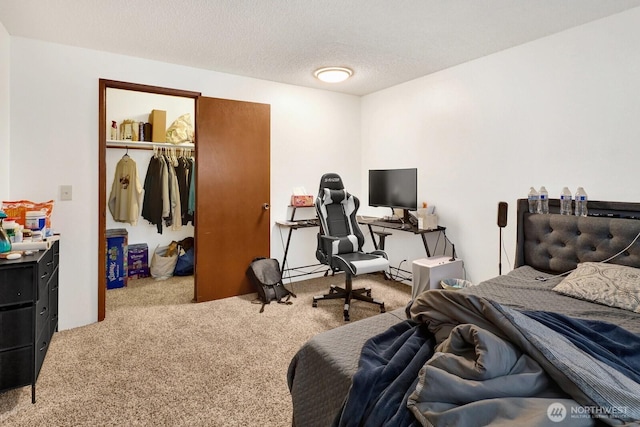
point(504, 250)
point(397, 272)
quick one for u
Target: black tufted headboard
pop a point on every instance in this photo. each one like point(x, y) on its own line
point(557, 243)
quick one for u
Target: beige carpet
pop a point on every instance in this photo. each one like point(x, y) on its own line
point(159, 359)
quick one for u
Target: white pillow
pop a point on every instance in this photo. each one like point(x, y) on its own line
point(608, 284)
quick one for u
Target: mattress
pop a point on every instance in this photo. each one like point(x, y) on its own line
point(320, 373)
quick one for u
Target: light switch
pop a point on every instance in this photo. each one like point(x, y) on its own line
point(65, 192)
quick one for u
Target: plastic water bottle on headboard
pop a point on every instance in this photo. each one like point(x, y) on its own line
point(581, 202)
point(543, 201)
point(533, 200)
point(565, 202)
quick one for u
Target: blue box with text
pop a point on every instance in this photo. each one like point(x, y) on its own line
point(117, 242)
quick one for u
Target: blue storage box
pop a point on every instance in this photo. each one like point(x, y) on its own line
point(117, 242)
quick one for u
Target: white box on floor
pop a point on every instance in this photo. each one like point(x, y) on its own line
point(428, 272)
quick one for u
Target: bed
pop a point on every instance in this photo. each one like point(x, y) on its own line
point(573, 355)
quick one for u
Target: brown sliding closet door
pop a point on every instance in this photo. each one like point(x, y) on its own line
point(232, 194)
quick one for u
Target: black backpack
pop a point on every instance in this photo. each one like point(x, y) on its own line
point(265, 276)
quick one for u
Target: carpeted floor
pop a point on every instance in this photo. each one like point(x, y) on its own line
point(158, 359)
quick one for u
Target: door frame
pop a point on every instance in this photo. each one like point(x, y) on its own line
point(103, 85)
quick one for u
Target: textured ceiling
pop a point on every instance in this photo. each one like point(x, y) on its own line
point(385, 42)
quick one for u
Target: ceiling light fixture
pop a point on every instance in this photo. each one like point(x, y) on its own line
point(333, 74)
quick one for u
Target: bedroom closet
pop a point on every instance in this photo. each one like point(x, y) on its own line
point(231, 224)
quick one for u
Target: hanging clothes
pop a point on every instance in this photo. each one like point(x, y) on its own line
point(126, 192)
point(174, 194)
point(152, 206)
point(166, 190)
point(192, 191)
point(168, 186)
point(183, 175)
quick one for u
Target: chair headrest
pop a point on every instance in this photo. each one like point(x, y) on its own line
point(334, 196)
point(332, 181)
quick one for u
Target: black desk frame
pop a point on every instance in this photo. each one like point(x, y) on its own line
point(401, 227)
point(292, 224)
point(382, 234)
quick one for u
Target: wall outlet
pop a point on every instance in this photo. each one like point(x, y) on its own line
point(65, 192)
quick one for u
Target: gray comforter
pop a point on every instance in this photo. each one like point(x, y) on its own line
point(493, 364)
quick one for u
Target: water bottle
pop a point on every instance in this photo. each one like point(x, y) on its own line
point(565, 202)
point(543, 201)
point(533, 200)
point(581, 202)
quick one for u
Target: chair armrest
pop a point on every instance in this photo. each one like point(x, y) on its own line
point(324, 252)
point(326, 243)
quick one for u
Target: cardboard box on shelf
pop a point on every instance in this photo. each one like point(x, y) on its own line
point(138, 261)
point(158, 120)
point(117, 242)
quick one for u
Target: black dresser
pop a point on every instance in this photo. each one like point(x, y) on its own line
point(28, 316)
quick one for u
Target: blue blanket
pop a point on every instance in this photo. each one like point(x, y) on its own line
point(391, 363)
point(387, 373)
point(604, 341)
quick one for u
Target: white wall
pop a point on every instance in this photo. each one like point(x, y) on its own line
point(4, 112)
point(54, 141)
point(559, 111)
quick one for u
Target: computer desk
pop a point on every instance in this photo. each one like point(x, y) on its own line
point(371, 221)
point(292, 224)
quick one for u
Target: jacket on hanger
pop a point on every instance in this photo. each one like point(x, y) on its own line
point(124, 200)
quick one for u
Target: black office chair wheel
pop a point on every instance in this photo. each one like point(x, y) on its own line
point(332, 289)
point(382, 309)
point(368, 292)
point(346, 316)
point(315, 304)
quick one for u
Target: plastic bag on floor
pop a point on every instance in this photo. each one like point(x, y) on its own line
point(163, 262)
point(184, 265)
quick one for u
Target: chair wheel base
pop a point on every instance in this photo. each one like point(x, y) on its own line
point(349, 294)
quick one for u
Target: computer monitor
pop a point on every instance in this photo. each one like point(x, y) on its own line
point(394, 188)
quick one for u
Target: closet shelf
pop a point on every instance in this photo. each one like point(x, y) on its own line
point(145, 145)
